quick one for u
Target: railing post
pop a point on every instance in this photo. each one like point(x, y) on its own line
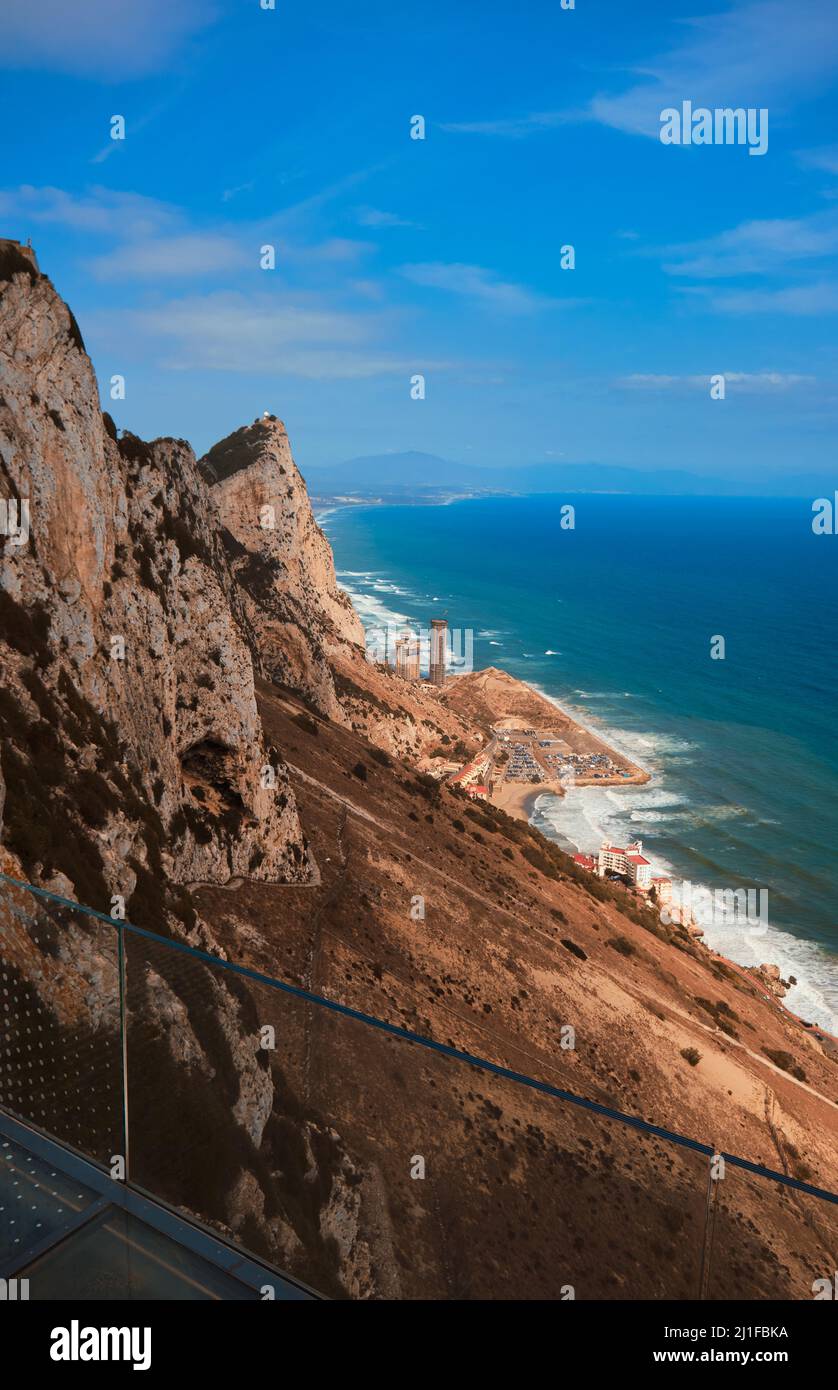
point(123, 1040)
point(709, 1226)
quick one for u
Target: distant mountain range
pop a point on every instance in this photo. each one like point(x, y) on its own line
point(393, 474)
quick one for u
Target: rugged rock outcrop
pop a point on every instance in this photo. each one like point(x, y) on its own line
point(127, 678)
point(139, 596)
point(771, 978)
point(297, 616)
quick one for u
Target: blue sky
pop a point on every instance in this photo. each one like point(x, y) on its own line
point(395, 256)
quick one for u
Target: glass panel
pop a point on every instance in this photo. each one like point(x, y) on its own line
point(362, 1163)
point(37, 1202)
point(60, 1052)
point(768, 1240)
point(523, 1196)
point(117, 1256)
point(311, 1151)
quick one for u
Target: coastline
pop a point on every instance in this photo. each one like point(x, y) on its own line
point(518, 799)
point(589, 821)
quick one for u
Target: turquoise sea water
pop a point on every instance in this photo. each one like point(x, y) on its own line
point(614, 619)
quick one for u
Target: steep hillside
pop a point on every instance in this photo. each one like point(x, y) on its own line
point(513, 945)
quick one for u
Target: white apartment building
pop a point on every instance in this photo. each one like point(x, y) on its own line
point(629, 862)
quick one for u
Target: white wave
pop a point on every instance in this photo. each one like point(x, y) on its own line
point(654, 746)
point(384, 587)
point(373, 612)
point(588, 815)
point(641, 798)
point(815, 996)
point(720, 813)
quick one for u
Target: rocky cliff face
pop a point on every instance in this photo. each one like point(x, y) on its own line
point(140, 593)
point(297, 617)
point(133, 745)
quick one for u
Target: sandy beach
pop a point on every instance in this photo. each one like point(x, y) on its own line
point(518, 798)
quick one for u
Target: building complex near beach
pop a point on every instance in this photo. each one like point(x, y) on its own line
point(629, 863)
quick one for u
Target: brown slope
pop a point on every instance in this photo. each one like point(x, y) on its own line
point(516, 1180)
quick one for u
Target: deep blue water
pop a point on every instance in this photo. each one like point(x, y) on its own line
point(744, 750)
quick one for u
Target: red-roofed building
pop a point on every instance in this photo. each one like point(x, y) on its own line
point(585, 861)
point(478, 792)
point(629, 863)
point(472, 772)
point(639, 871)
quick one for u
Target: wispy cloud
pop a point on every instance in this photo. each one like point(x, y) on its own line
point(759, 247)
point(230, 193)
point(479, 285)
point(754, 54)
point(171, 257)
point(513, 127)
point(826, 158)
point(337, 250)
point(259, 334)
point(98, 210)
point(94, 38)
point(138, 123)
point(150, 239)
point(802, 301)
point(376, 217)
point(750, 383)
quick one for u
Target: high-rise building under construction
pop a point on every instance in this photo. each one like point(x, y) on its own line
point(439, 648)
point(407, 657)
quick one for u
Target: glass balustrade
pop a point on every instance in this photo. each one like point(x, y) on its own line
point(359, 1159)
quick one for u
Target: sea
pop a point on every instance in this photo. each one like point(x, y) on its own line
point(699, 636)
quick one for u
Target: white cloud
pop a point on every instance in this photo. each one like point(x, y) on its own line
point(337, 250)
point(760, 53)
point(803, 301)
point(514, 127)
point(754, 54)
point(375, 217)
point(149, 239)
point(261, 335)
point(171, 256)
point(750, 383)
point(479, 285)
point(756, 248)
point(100, 210)
point(95, 38)
point(230, 193)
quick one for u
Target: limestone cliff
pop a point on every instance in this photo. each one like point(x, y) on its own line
point(134, 764)
point(133, 745)
point(298, 618)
